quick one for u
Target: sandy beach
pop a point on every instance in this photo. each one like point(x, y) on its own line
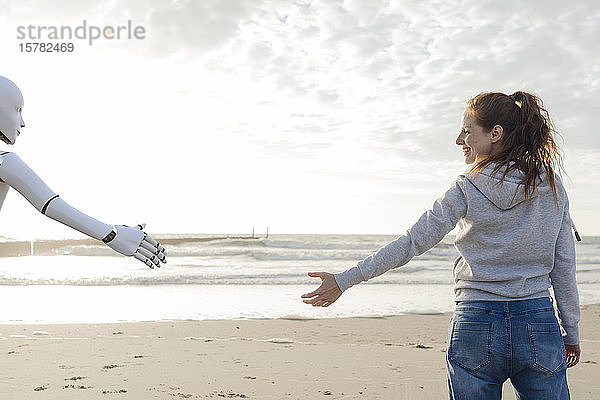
point(400, 357)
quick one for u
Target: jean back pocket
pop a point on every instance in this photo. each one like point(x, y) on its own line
point(547, 347)
point(471, 344)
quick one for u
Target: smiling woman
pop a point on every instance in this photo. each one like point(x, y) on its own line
point(475, 141)
point(515, 243)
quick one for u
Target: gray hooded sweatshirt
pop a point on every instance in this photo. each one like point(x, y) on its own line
point(509, 248)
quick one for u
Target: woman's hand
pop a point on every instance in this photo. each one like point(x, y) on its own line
point(573, 354)
point(325, 294)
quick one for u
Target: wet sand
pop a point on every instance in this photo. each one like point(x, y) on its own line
point(399, 357)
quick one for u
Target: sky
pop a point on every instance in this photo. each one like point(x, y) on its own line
point(303, 116)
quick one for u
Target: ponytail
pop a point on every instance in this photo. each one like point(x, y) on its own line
point(528, 142)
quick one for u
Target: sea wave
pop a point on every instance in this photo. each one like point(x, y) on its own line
point(170, 281)
point(310, 245)
point(232, 259)
point(208, 279)
point(256, 253)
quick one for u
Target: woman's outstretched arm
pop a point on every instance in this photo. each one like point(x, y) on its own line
point(428, 231)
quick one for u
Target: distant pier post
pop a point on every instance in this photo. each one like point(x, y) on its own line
point(267, 233)
point(252, 232)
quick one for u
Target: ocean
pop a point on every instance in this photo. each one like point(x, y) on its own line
point(229, 277)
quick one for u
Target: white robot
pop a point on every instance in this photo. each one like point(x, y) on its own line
point(129, 241)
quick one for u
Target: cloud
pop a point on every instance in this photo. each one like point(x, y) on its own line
point(69, 12)
point(195, 26)
point(369, 90)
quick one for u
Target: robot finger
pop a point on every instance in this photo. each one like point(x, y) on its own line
point(156, 261)
point(144, 260)
point(154, 243)
point(162, 256)
point(149, 255)
point(155, 247)
point(148, 246)
point(151, 240)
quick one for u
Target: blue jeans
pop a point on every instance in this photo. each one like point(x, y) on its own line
point(492, 341)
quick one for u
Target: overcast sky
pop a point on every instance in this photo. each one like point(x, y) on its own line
point(304, 116)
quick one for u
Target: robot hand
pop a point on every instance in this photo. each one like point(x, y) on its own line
point(133, 241)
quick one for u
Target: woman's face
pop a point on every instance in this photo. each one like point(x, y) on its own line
point(475, 141)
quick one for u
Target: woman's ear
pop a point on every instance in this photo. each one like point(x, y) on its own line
point(496, 133)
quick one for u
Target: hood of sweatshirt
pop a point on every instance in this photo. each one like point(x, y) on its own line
point(508, 193)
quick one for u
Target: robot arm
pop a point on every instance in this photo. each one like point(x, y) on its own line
point(15, 173)
point(129, 241)
point(3, 191)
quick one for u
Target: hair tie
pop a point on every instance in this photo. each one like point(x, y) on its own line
point(519, 103)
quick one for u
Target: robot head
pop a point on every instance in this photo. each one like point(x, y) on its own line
point(11, 104)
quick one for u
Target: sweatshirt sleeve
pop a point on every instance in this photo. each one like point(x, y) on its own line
point(564, 282)
point(428, 231)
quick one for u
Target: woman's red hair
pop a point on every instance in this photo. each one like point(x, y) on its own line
point(528, 142)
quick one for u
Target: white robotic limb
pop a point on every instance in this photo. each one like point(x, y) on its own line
point(129, 241)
